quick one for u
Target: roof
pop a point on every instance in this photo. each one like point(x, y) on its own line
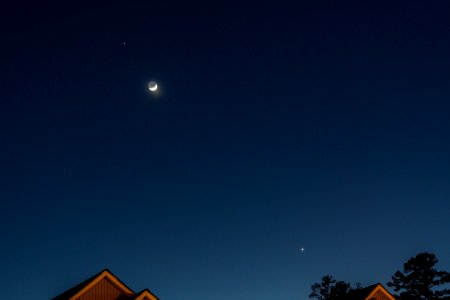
point(73, 291)
point(81, 288)
point(145, 294)
point(369, 292)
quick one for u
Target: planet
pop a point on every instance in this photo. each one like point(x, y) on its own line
point(152, 86)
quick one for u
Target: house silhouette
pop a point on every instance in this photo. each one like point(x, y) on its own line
point(104, 286)
point(372, 292)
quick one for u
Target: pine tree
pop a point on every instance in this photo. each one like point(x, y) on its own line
point(419, 279)
point(330, 289)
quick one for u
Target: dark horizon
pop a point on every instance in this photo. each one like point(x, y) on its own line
point(323, 126)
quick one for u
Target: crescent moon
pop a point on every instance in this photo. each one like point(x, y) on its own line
point(153, 87)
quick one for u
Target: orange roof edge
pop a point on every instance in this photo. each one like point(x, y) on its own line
point(146, 294)
point(111, 277)
point(383, 289)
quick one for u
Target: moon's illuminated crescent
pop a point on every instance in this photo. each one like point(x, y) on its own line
point(152, 86)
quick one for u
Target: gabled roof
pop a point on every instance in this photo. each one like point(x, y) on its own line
point(84, 286)
point(145, 295)
point(380, 288)
point(70, 292)
point(369, 292)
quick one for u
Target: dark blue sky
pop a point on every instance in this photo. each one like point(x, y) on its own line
point(324, 126)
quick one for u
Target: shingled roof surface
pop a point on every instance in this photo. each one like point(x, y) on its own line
point(71, 292)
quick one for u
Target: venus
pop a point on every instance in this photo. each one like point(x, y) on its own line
point(152, 86)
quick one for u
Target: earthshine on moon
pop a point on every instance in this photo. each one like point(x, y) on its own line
point(152, 86)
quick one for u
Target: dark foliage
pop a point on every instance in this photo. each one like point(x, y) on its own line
point(419, 280)
point(330, 289)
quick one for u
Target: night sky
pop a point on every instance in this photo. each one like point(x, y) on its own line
point(323, 125)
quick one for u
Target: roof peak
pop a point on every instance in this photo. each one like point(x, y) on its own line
point(85, 285)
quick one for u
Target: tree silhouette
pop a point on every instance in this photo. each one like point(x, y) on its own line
point(330, 289)
point(419, 280)
point(340, 290)
point(322, 291)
